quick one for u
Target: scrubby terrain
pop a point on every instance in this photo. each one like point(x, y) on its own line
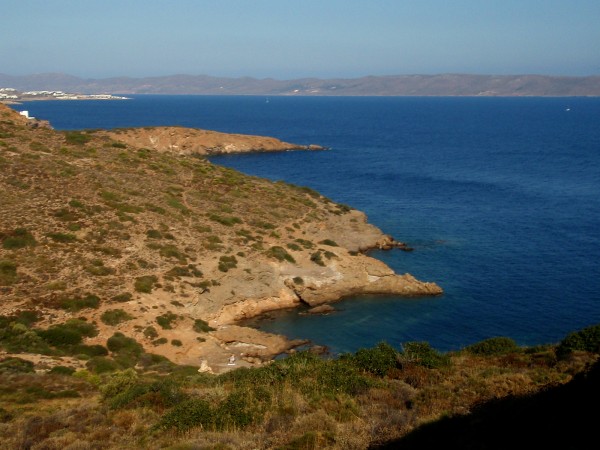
point(125, 268)
point(165, 247)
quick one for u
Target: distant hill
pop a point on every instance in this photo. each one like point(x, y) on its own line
point(397, 85)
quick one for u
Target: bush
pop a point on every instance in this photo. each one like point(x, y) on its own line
point(60, 336)
point(165, 320)
point(8, 272)
point(19, 238)
point(62, 370)
point(329, 242)
point(119, 343)
point(64, 238)
point(200, 326)
point(82, 327)
point(150, 332)
point(115, 316)
point(227, 262)
point(160, 394)
point(587, 339)
point(118, 382)
point(15, 365)
point(188, 414)
point(100, 364)
point(377, 360)
point(422, 354)
point(176, 342)
point(122, 298)
point(145, 283)
point(228, 221)
point(154, 234)
point(317, 258)
point(76, 137)
point(89, 350)
point(280, 254)
point(79, 303)
point(493, 346)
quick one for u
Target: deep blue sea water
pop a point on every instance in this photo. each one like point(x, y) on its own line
point(500, 198)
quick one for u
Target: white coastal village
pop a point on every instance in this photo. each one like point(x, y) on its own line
point(8, 94)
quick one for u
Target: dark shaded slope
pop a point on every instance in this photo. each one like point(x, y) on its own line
point(562, 417)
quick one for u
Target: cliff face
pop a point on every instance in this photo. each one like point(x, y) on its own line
point(96, 226)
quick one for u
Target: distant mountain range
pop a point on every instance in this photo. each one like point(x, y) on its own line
point(397, 85)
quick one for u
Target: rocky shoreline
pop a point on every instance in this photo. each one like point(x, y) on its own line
point(134, 219)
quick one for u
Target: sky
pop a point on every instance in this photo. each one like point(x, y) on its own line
point(287, 39)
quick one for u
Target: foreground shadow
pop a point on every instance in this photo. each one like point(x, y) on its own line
point(564, 416)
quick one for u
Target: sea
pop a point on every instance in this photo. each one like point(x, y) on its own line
point(498, 197)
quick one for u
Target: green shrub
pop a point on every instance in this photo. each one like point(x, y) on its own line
point(587, 339)
point(81, 326)
point(8, 272)
point(89, 350)
point(119, 343)
point(305, 243)
point(228, 221)
point(200, 326)
point(79, 303)
point(77, 137)
point(329, 242)
point(188, 414)
point(280, 254)
point(176, 342)
point(160, 341)
point(171, 251)
point(227, 262)
point(17, 338)
point(493, 346)
point(154, 234)
point(377, 360)
point(115, 316)
point(145, 283)
point(19, 238)
point(165, 320)
point(15, 365)
point(150, 332)
point(122, 298)
point(317, 258)
point(159, 394)
point(101, 364)
point(63, 238)
point(60, 336)
point(184, 271)
point(118, 382)
point(62, 370)
point(422, 354)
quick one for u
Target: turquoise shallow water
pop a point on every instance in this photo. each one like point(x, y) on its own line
point(500, 198)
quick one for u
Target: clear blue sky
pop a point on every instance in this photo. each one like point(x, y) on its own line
point(287, 39)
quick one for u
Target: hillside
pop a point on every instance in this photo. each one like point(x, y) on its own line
point(153, 243)
point(395, 85)
point(124, 269)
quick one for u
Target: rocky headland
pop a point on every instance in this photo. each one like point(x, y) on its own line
point(192, 141)
point(135, 232)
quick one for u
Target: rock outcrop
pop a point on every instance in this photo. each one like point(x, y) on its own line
point(187, 141)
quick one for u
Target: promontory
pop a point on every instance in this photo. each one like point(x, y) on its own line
point(136, 232)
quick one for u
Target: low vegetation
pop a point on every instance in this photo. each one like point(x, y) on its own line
point(365, 399)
